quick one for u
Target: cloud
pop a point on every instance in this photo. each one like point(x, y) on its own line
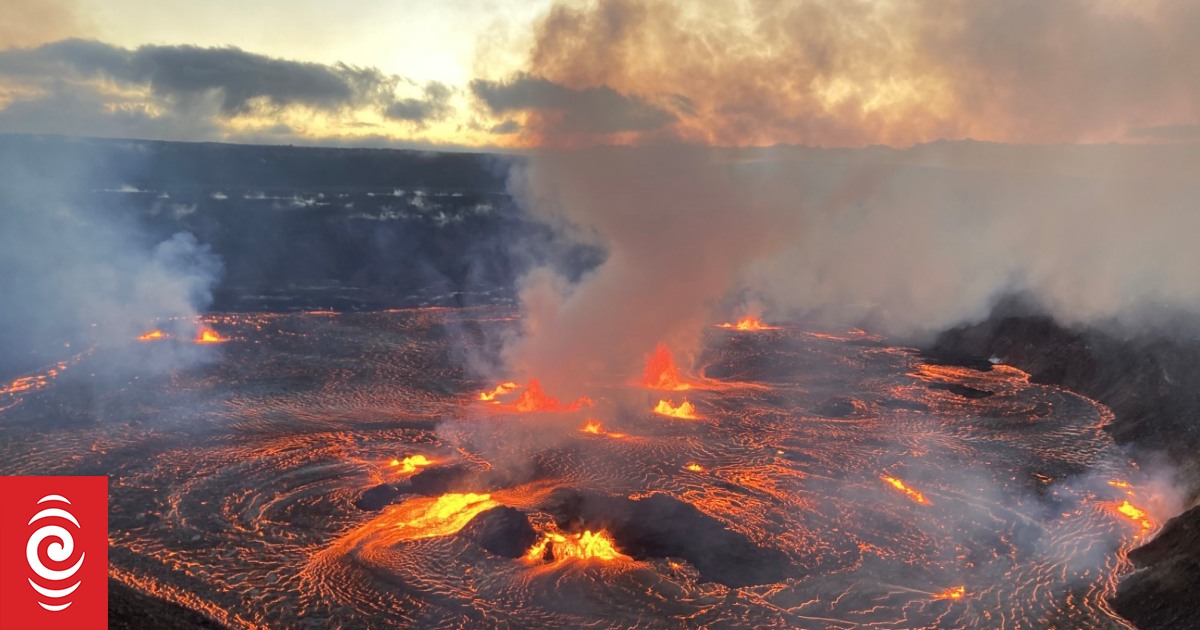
point(83, 110)
point(595, 110)
point(87, 87)
point(434, 106)
point(239, 78)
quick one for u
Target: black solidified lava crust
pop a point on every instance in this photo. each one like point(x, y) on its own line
point(1162, 593)
point(661, 526)
point(503, 531)
point(129, 609)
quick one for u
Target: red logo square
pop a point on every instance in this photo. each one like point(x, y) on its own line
point(54, 552)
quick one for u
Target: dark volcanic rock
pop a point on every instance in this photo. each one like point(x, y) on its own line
point(377, 498)
point(661, 526)
point(1163, 592)
point(438, 480)
point(837, 407)
point(129, 609)
point(503, 531)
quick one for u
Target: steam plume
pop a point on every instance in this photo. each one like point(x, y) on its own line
point(90, 277)
point(909, 241)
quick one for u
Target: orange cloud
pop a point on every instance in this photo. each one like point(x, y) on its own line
point(856, 73)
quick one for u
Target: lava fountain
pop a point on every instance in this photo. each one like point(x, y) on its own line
point(411, 463)
point(588, 545)
point(661, 373)
point(501, 390)
point(685, 410)
point(534, 398)
point(208, 335)
point(748, 323)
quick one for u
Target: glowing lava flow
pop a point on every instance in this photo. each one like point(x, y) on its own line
point(1135, 514)
point(694, 467)
point(501, 390)
point(685, 410)
point(153, 335)
point(443, 516)
point(534, 399)
point(661, 373)
point(411, 463)
point(908, 492)
point(585, 546)
point(956, 592)
point(35, 382)
point(208, 335)
point(748, 323)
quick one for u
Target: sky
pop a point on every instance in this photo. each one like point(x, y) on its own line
point(494, 74)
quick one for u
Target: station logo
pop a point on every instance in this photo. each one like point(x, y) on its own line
point(53, 553)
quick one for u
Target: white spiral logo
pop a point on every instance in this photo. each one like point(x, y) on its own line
point(60, 550)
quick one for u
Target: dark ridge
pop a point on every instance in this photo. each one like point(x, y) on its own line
point(1148, 382)
point(502, 531)
point(660, 526)
point(102, 162)
point(962, 390)
point(130, 609)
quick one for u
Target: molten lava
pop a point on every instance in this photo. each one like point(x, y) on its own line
point(685, 410)
point(411, 463)
point(501, 390)
point(694, 467)
point(585, 546)
point(595, 428)
point(661, 373)
point(748, 323)
point(534, 399)
point(443, 516)
point(1135, 514)
point(956, 592)
point(908, 492)
point(153, 335)
point(208, 335)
